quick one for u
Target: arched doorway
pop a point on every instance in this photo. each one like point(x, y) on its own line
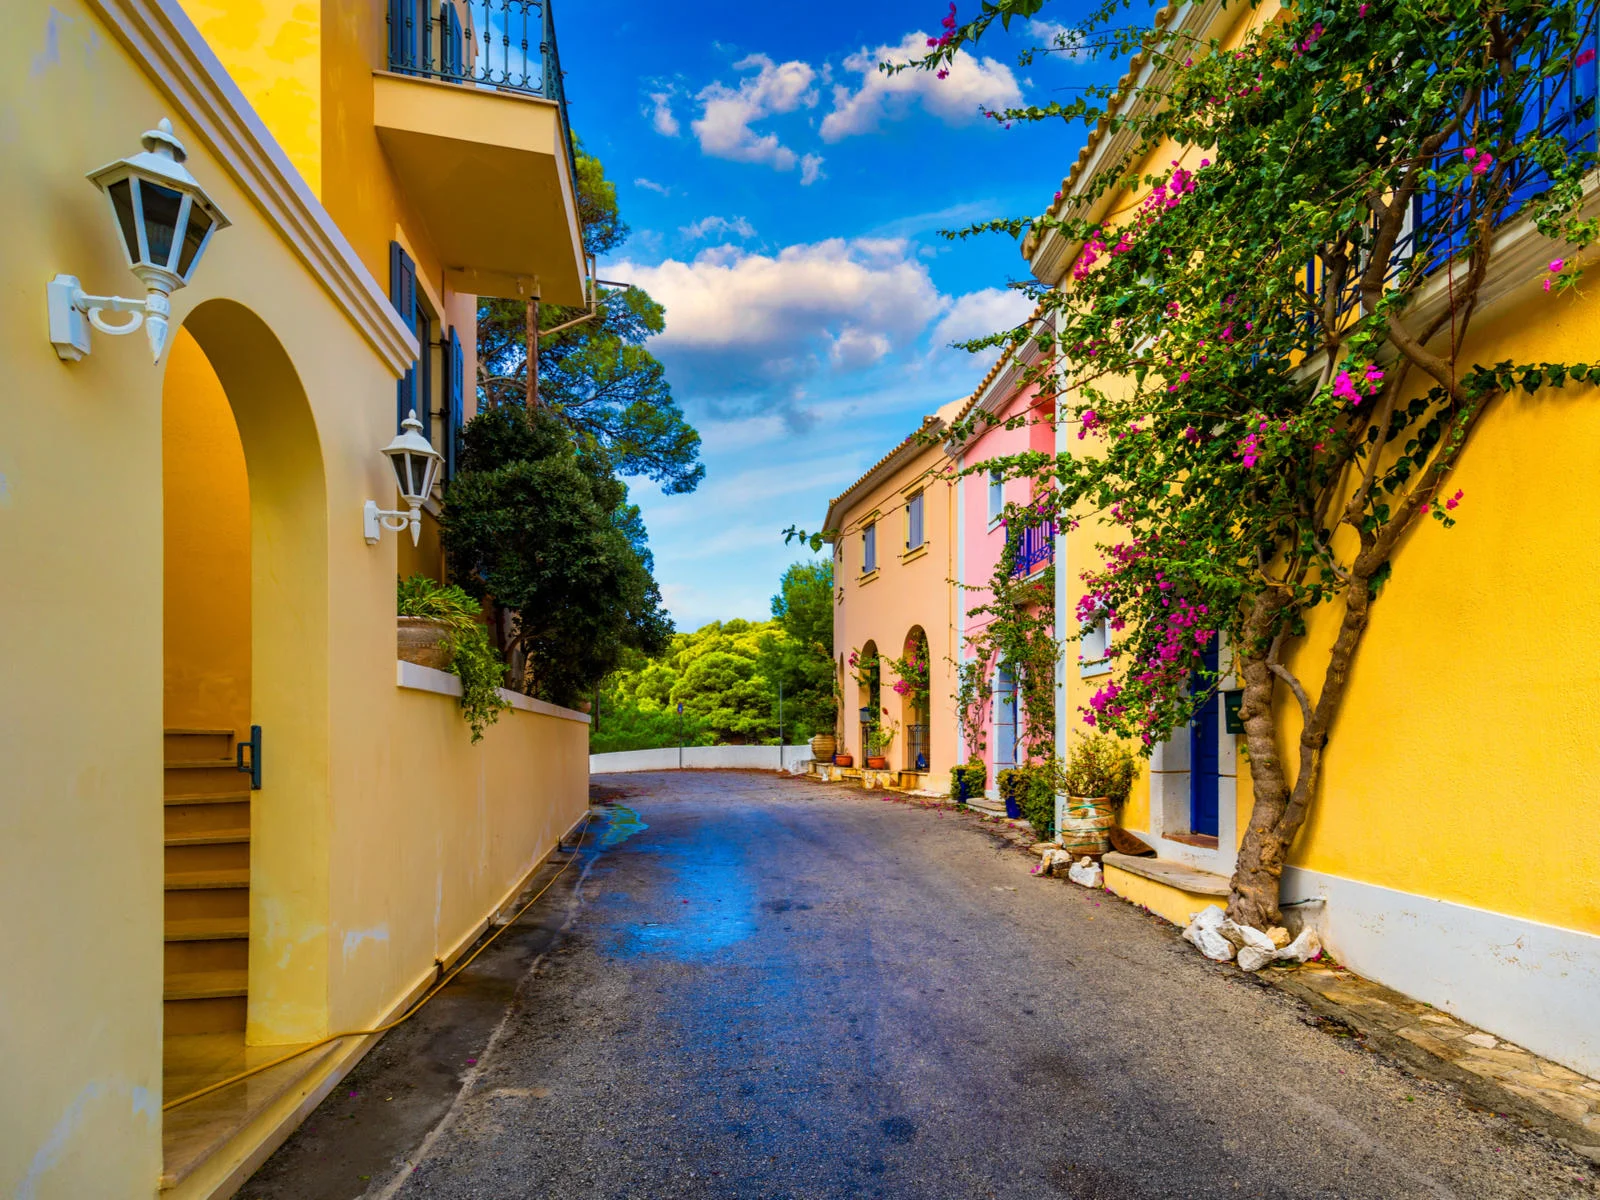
point(868, 695)
point(247, 643)
point(914, 687)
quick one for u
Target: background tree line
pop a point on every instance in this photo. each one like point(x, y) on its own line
point(727, 676)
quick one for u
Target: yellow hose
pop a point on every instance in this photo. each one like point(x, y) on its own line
point(404, 1017)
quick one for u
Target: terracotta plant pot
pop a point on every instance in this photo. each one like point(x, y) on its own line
point(877, 762)
point(823, 746)
point(843, 760)
point(422, 640)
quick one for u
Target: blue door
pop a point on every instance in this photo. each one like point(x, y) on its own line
point(1204, 731)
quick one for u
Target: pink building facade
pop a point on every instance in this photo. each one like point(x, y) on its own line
point(1008, 417)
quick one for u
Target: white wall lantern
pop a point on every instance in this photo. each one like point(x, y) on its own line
point(416, 465)
point(165, 221)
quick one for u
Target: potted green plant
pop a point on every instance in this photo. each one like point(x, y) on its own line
point(879, 739)
point(968, 780)
point(1097, 779)
point(1007, 782)
point(441, 626)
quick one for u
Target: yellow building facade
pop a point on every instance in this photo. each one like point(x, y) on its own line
point(1453, 849)
point(186, 562)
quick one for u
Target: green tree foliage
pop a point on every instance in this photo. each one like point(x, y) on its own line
point(726, 676)
point(1275, 346)
point(802, 660)
point(595, 376)
point(543, 526)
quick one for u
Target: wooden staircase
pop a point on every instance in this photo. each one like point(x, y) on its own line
point(207, 806)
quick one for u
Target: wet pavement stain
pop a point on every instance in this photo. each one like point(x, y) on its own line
point(622, 823)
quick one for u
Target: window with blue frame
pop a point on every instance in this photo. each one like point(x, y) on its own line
point(869, 549)
point(914, 523)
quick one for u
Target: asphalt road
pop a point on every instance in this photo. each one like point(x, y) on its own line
point(761, 987)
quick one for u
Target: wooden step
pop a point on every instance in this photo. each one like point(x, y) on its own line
point(207, 797)
point(185, 745)
point(207, 929)
point(206, 985)
point(184, 881)
point(203, 777)
point(221, 837)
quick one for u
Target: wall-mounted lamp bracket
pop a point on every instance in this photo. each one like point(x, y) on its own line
point(73, 310)
point(375, 520)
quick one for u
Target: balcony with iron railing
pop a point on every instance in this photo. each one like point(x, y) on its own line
point(1036, 549)
point(472, 113)
point(1558, 105)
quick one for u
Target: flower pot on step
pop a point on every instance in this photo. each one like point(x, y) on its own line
point(843, 760)
point(877, 762)
point(823, 746)
point(424, 641)
point(1085, 825)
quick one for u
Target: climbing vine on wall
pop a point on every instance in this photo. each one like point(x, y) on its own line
point(1018, 630)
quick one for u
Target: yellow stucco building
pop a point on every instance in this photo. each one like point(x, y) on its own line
point(1453, 850)
point(187, 561)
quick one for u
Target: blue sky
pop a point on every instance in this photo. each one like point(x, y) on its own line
point(785, 199)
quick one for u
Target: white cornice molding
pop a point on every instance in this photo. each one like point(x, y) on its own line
point(1050, 257)
point(162, 39)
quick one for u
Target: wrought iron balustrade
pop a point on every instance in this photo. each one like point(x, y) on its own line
point(1561, 106)
point(1037, 549)
point(504, 45)
point(916, 747)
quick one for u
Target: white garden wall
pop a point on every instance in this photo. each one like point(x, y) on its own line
point(702, 758)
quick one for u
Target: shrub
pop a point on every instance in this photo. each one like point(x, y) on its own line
point(968, 780)
point(473, 659)
point(1101, 766)
point(1034, 788)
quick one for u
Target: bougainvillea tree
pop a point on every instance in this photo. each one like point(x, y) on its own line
point(1271, 353)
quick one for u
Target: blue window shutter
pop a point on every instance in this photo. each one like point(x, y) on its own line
point(403, 295)
point(402, 34)
point(455, 407)
point(450, 39)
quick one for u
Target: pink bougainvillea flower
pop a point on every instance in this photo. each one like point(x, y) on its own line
point(1454, 500)
point(1584, 59)
point(1361, 10)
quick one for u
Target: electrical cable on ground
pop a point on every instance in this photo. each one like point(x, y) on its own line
point(410, 1012)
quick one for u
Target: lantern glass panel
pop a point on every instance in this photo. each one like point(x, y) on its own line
point(193, 238)
point(122, 202)
point(402, 472)
point(161, 205)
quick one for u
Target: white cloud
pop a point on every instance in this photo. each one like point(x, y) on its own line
point(977, 314)
point(726, 114)
point(776, 305)
point(854, 348)
point(650, 185)
point(707, 226)
point(746, 332)
point(971, 82)
point(661, 116)
point(1064, 39)
point(810, 169)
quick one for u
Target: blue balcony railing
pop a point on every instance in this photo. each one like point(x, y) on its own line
point(504, 45)
point(1036, 549)
point(1563, 106)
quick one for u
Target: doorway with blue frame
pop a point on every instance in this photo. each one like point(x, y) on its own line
point(1205, 772)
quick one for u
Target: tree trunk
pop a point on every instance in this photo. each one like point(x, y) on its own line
point(1279, 811)
point(1254, 897)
